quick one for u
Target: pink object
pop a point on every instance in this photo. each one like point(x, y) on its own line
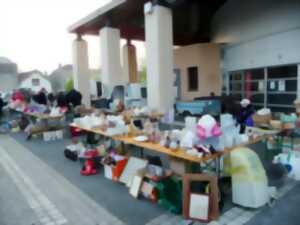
point(63, 109)
point(208, 127)
point(201, 132)
point(89, 168)
point(216, 131)
point(18, 96)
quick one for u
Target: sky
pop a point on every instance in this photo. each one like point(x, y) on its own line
point(34, 32)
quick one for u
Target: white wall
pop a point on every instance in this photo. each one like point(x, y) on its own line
point(258, 33)
point(44, 83)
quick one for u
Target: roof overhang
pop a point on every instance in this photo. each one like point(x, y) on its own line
point(191, 19)
point(94, 16)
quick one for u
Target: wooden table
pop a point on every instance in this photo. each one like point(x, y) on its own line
point(44, 116)
point(92, 130)
point(46, 127)
point(179, 153)
point(141, 116)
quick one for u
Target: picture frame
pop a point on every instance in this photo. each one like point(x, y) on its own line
point(199, 201)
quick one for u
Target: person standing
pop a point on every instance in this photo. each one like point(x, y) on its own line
point(2, 104)
point(245, 117)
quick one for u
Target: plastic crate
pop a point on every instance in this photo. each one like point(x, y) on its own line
point(170, 194)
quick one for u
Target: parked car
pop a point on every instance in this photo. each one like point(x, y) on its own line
point(200, 106)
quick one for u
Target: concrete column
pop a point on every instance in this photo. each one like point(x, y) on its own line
point(159, 48)
point(130, 70)
point(81, 70)
point(111, 57)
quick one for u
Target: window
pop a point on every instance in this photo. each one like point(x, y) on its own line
point(193, 78)
point(282, 88)
point(35, 82)
point(273, 87)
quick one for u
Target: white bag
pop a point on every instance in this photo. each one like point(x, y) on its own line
point(188, 140)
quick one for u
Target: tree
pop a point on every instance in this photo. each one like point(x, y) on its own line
point(69, 85)
point(143, 78)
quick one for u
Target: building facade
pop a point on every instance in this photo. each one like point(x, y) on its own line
point(249, 49)
point(199, 70)
point(34, 81)
point(261, 51)
point(8, 75)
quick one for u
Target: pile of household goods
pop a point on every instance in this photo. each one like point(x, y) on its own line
point(128, 113)
point(148, 177)
point(36, 109)
point(198, 138)
point(142, 176)
point(283, 145)
point(35, 105)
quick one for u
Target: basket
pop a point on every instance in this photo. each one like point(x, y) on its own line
point(261, 119)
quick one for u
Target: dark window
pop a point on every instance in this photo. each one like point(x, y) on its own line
point(99, 88)
point(283, 72)
point(254, 74)
point(282, 99)
point(236, 76)
point(193, 78)
point(35, 82)
point(236, 87)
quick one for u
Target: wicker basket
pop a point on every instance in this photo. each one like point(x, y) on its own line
point(261, 119)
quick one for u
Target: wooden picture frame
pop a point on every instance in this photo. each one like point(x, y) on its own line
point(213, 196)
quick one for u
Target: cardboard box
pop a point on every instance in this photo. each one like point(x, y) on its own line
point(178, 166)
point(53, 135)
point(49, 136)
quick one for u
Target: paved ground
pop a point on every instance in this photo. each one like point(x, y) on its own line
point(38, 186)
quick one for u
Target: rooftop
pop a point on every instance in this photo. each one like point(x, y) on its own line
point(191, 19)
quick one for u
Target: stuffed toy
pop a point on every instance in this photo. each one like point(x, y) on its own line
point(208, 127)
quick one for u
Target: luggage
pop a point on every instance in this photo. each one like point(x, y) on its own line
point(71, 155)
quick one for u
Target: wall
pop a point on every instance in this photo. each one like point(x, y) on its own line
point(8, 75)
point(207, 58)
point(8, 82)
point(44, 83)
point(258, 33)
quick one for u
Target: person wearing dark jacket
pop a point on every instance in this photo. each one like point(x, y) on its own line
point(61, 100)
point(2, 104)
point(245, 117)
point(51, 99)
point(40, 98)
point(74, 98)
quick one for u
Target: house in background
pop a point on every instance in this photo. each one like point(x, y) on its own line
point(60, 76)
point(8, 75)
point(35, 81)
point(63, 74)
